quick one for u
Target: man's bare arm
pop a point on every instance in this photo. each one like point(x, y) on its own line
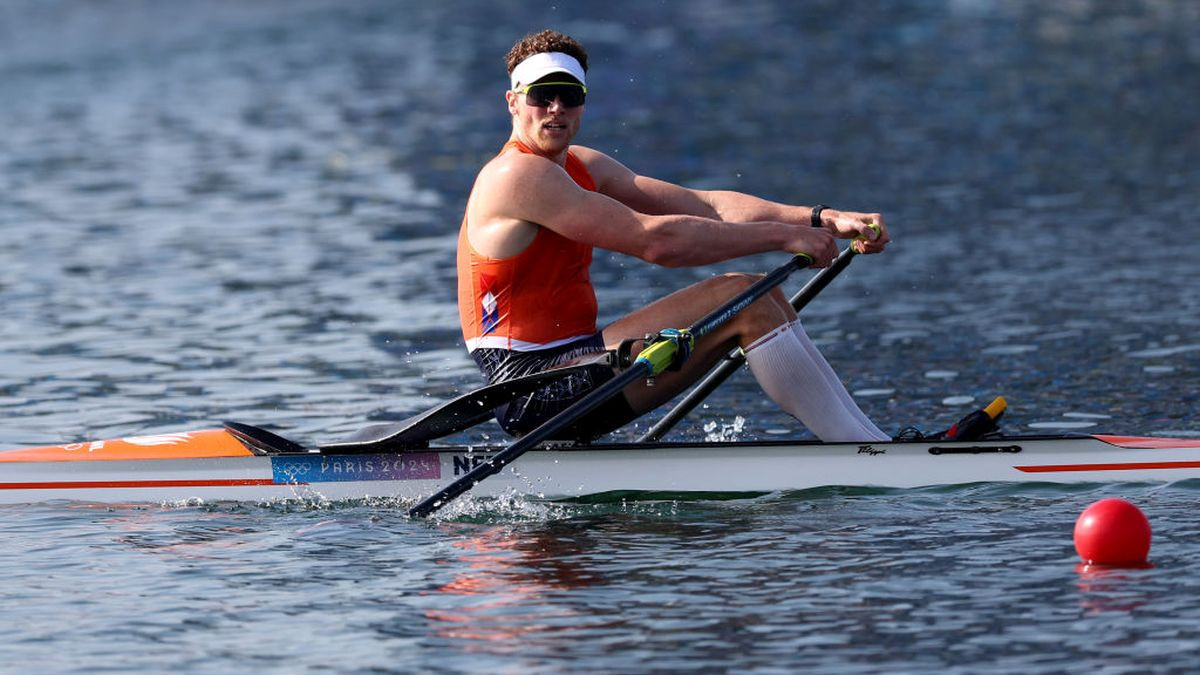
point(524, 188)
point(654, 196)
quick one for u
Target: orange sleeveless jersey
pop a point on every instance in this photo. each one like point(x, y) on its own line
point(542, 297)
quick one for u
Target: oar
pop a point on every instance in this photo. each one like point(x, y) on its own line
point(441, 420)
point(455, 415)
point(650, 362)
point(735, 358)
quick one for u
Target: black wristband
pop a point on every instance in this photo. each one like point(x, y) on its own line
point(816, 214)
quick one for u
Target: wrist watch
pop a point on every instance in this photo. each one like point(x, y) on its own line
point(816, 214)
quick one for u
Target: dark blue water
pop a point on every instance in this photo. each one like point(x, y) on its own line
point(226, 210)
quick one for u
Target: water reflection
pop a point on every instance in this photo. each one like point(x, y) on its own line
point(510, 581)
point(1113, 589)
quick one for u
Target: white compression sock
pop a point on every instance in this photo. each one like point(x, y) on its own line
point(791, 370)
point(834, 381)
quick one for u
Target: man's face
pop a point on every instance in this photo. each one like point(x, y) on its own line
point(542, 117)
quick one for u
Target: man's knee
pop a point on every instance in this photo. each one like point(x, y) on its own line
point(731, 283)
point(765, 312)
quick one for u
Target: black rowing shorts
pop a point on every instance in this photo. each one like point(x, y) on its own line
point(524, 414)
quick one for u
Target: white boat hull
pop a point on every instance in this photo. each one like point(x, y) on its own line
point(166, 473)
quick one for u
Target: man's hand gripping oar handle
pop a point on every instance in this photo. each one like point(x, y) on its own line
point(652, 360)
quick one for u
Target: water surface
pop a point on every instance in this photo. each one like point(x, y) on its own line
point(226, 210)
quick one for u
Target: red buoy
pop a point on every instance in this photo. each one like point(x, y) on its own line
point(1112, 532)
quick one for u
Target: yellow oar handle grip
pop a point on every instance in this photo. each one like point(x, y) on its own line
point(658, 356)
point(873, 226)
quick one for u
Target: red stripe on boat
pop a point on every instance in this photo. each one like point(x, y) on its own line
point(1125, 466)
point(1148, 442)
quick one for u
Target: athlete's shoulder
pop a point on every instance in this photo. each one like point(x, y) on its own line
point(588, 155)
point(604, 169)
point(514, 165)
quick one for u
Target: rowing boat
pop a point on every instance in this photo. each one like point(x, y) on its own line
point(395, 460)
point(220, 464)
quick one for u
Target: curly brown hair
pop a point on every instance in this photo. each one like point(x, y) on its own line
point(545, 41)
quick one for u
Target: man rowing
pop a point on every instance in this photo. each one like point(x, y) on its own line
point(539, 208)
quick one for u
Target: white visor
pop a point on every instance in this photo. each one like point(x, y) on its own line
point(540, 65)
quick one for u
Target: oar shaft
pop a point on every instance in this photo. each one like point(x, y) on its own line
point(822, 279)
point(747, 297)
point(734, 360)
point(651, 362)
point(495, 464)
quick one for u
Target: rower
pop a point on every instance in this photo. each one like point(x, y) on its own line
point(539, 208)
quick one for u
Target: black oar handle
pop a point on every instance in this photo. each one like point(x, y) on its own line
point(730, 364)
point(641, 368)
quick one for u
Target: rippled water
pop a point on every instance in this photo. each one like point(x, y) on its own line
point(969, 579)
point(248, 210)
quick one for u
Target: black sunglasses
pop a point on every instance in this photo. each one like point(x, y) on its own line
point(542, 94)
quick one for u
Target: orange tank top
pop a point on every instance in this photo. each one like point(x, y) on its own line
point(542, 297)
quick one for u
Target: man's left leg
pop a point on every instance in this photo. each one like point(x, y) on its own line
point(789, 367)
point(797, 377)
